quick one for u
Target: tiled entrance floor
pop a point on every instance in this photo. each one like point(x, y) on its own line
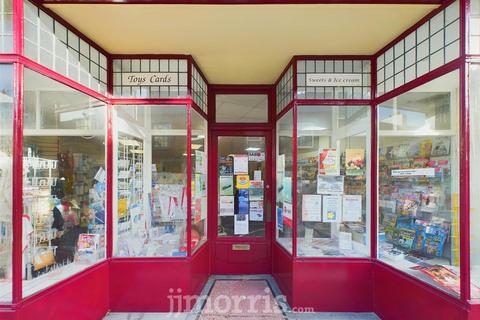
point(242, 298)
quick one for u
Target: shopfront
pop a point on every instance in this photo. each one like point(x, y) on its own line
point(130, 176)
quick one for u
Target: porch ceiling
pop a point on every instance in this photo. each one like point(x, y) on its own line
point(240, 44)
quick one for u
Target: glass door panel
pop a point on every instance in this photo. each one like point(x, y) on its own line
point(241, 176)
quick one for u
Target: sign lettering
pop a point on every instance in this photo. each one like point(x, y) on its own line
point(334, 80)
point(150, 79)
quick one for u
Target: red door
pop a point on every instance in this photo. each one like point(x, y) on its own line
point(240, 224)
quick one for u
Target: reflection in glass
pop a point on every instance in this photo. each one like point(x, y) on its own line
point(6, 26)
point(474, 108)
point(418, 190)
point(333, 164)
point(64, 182)
point(199, 180)
point(284, 198)
point(6, 135)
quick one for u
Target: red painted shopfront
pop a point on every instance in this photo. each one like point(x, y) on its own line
point(351, 179)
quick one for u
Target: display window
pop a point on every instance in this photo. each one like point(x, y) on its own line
point(64, 182)
point(418, 182)
point(333, 181)
point(284, 192)
point(6, 148)
point(6, 26)
point(199, 180)
point(151, 179)
point(474, 78)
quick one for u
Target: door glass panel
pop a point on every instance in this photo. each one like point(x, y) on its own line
point(241, 175)
point(241, 108)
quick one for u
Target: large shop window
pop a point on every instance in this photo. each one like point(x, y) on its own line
point(199, 180)
point(6, 135)
point(6, 26)
point(418, 187)
point(333, 166)
point(284, 198)
point(64, 181)
point(151, 181)
point(474, 95)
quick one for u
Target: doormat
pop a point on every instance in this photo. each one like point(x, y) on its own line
point(241, 300)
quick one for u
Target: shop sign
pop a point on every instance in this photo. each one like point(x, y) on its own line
point(256, 156)
point(428, 172)
point(149, 79)
point(334, 80)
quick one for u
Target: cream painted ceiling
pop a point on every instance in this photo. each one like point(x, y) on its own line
point(240, 44)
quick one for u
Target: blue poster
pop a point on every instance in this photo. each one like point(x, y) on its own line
point(279, 219)
point(243, 204)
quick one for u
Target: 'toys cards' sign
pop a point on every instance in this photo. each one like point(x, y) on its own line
point(150, 79)
point(334, 80)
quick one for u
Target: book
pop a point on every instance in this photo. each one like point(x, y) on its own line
point(354, 162)
point(406, 237)
point(328, 162)
point(434, 241)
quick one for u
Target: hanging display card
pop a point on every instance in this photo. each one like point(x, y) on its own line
point(345, 241)
point(257, 175)
point(225, 166)
point(243, 182)
point(287, 214)
point(328, 163)
point(311, 207)
point(256, 190)
point(240, 224)
point(352, 208)
point(226, 185)
point(198, 210)
point(281, 163)
point(256, 210)
point(330, 184)
point(243, 201)
point(280, 219)
point(332, 208)
point(287, 189)
point(101, 175)
point(204, 206)
point(200, 162)
point(240, 164)
point(226, 206)
point(355, 162)
point(200, 185)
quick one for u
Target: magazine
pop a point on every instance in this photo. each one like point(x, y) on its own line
point(441, 275)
